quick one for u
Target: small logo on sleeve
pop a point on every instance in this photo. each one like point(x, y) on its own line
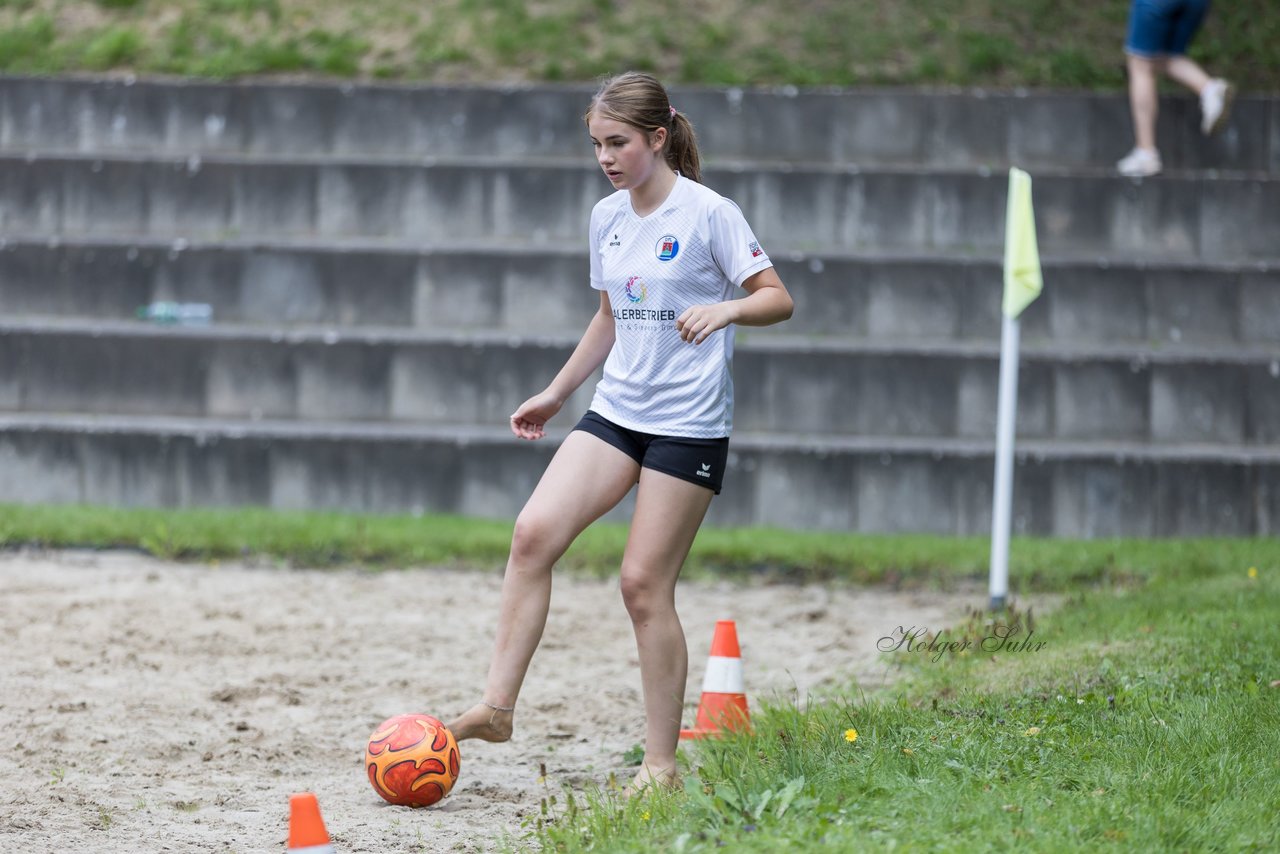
point(756, 251)
point(667, 248)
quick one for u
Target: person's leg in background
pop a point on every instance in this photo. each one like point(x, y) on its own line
point(1215, 93)
point(1144, 105)
point(1159, 33)
point(1150, 31)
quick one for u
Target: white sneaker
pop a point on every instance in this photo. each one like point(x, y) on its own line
point(1140, 163)
point(1215, 105)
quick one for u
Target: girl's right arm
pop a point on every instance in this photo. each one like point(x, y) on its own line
point(528, 421)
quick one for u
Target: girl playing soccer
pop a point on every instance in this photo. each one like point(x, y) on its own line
point(666, 256)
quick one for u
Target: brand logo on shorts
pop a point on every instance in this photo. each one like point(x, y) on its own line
point(667, 248)
point(706, 470)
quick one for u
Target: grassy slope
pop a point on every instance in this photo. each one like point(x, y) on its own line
point(806, 42)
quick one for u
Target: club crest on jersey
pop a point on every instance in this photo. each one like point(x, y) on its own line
point(667, 248)
point(636, 291)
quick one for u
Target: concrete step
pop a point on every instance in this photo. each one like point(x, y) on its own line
point(450, 223)
point(869, 127)
point(523, 289)
point(1228, 395)
point(348, 283)
point(1095, 489)
point(807, 209)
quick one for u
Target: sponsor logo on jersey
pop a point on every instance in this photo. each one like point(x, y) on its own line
point(756, 251)
point(667, 248)
point(636, 291)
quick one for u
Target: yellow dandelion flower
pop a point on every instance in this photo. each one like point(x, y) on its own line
point(851, 735)
point(1034, 730)
point(645, 815)
point(1253, 572)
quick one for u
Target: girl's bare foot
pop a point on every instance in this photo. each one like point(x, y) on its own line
point(483, 722)
point(650, 777)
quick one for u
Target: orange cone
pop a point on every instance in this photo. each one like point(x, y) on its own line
point(306, 827)
point(724, 704)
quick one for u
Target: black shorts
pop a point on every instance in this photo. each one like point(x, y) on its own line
point(700, 461)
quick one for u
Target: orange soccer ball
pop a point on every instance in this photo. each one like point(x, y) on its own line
point(413, 760)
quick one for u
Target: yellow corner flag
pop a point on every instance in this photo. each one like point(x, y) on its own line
point(1022, 278)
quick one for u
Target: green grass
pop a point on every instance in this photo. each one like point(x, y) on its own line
point(1140, 714)
point(1148, 720)
point(732, 42)
point(335, 539)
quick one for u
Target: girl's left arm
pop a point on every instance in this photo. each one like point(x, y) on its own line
point(767, 302)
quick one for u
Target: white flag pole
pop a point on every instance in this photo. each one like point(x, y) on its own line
point(1022, 284)
point(1002, 504)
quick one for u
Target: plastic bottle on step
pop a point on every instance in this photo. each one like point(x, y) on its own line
point(177, 313)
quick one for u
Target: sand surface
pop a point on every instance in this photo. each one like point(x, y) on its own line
point(151, 706)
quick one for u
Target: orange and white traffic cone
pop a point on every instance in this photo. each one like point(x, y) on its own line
point(306, 827)
point(724, 702)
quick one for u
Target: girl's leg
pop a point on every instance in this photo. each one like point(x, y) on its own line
point(667, 516)
point(586, 478)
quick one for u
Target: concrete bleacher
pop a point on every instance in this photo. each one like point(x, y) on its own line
point(393, 269)
point(1231, 217)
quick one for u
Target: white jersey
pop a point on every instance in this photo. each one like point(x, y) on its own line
point(693, 250)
